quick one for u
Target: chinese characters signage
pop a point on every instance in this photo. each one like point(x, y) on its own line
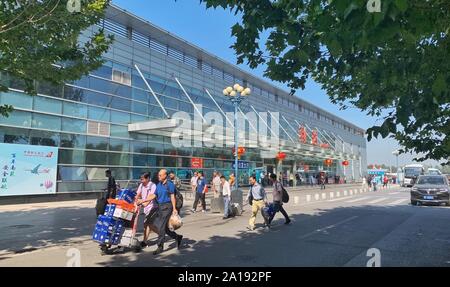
point(242, 165)
point(302, 134)
point(196, 162)
point(27, 169)
point(314, 138)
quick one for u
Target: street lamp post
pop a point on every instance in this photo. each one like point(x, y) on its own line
point(396, 153)
point(236, 94)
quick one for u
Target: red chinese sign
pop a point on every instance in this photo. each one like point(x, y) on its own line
point(324, 145)
point(328, 162)
point(302, 134)
point(306, 168)
point(196, 162)
point(345, 163)
point(314, 138)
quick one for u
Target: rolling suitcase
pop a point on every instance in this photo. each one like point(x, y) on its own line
point(235, 209)
point(267, 212)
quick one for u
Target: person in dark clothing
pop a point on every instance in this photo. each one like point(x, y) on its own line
point(297, 178)
point(265, 180)
point(200, 193)
point(111, 190)
point(155, 178)
point(111, 187)
point(369, 181)
point(277, 195)
point(165, 197)
point(322, 180)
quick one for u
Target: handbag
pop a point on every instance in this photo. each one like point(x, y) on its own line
point(250, 197)
point(285, 195)
point(149, 219)
point(175, 222)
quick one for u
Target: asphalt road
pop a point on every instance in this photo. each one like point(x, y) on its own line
point(335, 227)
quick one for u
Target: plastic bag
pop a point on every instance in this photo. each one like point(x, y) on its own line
point(175, 222)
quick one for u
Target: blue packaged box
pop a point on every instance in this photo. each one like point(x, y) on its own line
point(109, 210)
point(115, 239)
point(108, 230)
point(119, 228)
point(101, 234)
point(107, 220)
point(127, 194)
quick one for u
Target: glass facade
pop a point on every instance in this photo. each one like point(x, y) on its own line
point(115, 95)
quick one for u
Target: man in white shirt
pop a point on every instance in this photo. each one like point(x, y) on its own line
point(194, 182)
point(226, 191)
point(216, 184)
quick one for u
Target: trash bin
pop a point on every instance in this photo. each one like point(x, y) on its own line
point(217, 205)
point(237, 197)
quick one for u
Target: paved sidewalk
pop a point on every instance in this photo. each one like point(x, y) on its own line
point(324, 232)
point(27, 227)
point(189, 198)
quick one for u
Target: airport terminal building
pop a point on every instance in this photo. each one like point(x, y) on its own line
point(121, 117)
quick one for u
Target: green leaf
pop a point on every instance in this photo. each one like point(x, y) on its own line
point(378, 17)
point(402, 5)
point(335, 48)
point(439, 85)
point(387, 63)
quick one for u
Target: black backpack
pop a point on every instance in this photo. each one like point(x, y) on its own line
point(178, 199)
point(284, 195)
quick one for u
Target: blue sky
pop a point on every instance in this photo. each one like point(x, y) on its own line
point(211, 30)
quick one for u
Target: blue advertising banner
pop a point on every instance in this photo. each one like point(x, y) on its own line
point(27, 169)
point(242, 164)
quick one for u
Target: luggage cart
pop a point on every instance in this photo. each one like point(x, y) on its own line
point(127, 240)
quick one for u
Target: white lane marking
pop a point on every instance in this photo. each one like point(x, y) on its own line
point(345, 193)
point(308, 197)
point(360, 191)
point(399, 201)
point(331, 194)
point(339, 199)
point(358, 199)
point(338, 194)
point(392, 193)
point(324, 196)
point(316, 196)
point(351, 191)
point(378, 200)
point(328, 227)
point(295, 199)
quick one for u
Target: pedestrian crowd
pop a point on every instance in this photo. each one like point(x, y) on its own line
point(158, 196)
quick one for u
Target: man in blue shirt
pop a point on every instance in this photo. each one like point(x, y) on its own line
point(200, 192)
point(165, 197)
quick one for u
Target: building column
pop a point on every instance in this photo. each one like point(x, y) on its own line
point(294, 170)
point(353, 164)
point(279, 169)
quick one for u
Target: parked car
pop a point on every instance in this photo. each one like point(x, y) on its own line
point(433, 189)
point(433, 171)
point(448, 176)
